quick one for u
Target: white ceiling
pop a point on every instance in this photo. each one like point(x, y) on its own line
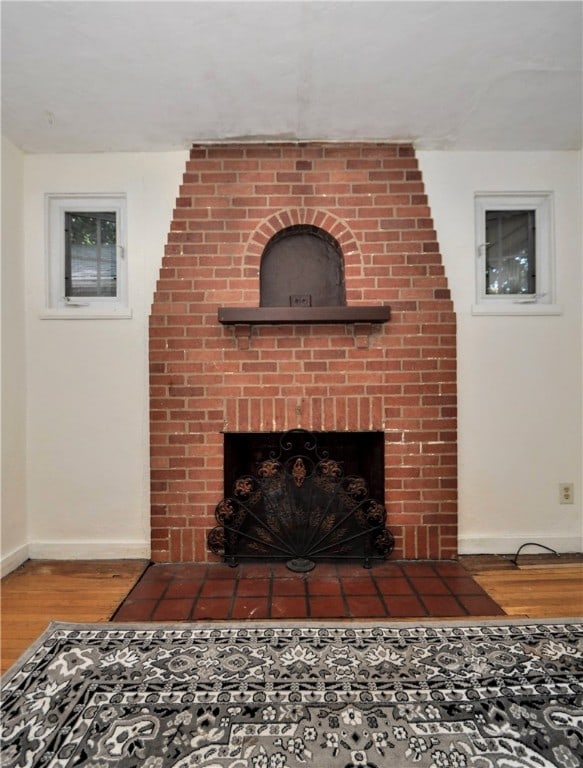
point(149, 76)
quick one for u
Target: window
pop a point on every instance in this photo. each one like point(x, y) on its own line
point(87, 255)
point(510, 252)
point(514, 273)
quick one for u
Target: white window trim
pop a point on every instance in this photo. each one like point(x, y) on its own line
point(94, 307)
point(541, 303)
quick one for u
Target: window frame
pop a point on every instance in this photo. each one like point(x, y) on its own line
point(58, 305)
point(543, 300)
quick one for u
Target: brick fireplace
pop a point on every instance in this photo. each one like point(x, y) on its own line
point(215, 370)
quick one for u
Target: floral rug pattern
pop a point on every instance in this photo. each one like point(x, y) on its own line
point(457, 695)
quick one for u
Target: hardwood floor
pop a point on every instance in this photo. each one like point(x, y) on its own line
point(541, 586)
point(39, 592)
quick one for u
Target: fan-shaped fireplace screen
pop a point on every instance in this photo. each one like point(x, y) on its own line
point(299, 504)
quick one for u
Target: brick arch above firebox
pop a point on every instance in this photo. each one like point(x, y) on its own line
point(288, 217)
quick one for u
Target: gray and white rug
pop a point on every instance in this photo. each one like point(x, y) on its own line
point(490, 694)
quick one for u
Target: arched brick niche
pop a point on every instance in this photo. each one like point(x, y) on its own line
point(303, 266)
point(398, 377)
point(295, 217)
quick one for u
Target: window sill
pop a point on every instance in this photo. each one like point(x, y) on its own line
point(516, 308)
point(86, 313)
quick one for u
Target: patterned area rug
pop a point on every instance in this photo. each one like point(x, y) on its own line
point(503, 694)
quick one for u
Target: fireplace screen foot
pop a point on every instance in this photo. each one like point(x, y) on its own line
point(300, 565)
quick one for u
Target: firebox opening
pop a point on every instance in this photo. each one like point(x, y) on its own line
point(359, 453)
point(302, 266)
point(301, 497)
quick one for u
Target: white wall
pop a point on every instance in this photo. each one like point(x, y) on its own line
point(520, 403)
point(87, 484)
point(14, 538)
point(87, 409)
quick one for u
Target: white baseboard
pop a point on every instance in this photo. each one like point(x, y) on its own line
point(128, 550)
point(507, 545)
point(88, 550)
point(13, 559)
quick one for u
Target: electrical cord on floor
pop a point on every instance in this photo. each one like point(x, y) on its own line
point(532, 544)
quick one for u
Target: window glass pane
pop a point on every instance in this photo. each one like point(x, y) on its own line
point(90, 254)
point(510, 252)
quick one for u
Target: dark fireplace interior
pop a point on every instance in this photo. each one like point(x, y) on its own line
point(302, 498)
point(359, 453)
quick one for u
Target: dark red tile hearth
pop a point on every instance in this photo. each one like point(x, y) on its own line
point(389, 570)
point(150, 589)
point(365, 606)
point(288, 587)
point(322, 587)
point(430, 587)
point(396, 586)
point(253, 587)
point(419, 570)
point(218, 588)
point(352, 586)
point(250, 608)
point(173, 610)
point(183, 588)
point(330, 591)
point(327, 608)
point(220, 572)
point(479, 605)
point(256, 570)
point(463, 586)
point(188, 571)
point(442, 605)
point(136, 610)
point(211, 608)
point(328, 570)
point(449, 569)
point(288, 608)
point(405, 606)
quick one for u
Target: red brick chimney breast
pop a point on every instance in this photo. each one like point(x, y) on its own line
point(397, 377)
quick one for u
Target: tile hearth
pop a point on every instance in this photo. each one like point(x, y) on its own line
point(403, 589)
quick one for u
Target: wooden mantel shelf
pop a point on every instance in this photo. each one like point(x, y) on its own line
point(281, 315)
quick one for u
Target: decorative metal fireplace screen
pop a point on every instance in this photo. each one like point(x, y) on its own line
point(300, 506)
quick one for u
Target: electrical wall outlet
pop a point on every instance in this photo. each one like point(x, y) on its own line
point(566, 493)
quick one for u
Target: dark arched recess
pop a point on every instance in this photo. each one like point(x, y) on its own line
point(302, 266)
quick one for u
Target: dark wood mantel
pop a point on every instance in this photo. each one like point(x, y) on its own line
point(281, 315)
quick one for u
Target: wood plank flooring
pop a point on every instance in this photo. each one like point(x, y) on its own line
point(39, 592)
point(536, 592)
point(539, 586)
